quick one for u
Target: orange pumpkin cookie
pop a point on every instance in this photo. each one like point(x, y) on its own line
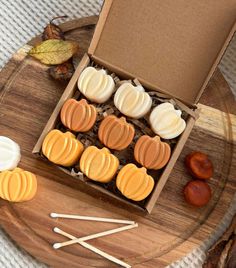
point(78, 115)
point(134, 183)
point(152, 153)
point(62, 148)
point(98, 164)
point(115, 132)
point(17, 185)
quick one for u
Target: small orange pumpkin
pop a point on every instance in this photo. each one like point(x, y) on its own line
point(17, 185)
point(62, 148)
point(152, 153)
point(78, 115)
point(134, 183)
point(116, 133)
point(99, 164)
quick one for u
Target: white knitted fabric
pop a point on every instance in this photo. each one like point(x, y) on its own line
point(228, 65)
point(20, 20)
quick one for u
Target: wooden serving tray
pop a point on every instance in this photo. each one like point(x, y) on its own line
point(27, 99)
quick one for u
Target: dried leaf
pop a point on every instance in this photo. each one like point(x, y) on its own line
point(224, 255)
point(231, 258)
point(63, 71)
point(54, 51)
point(216, 254)
point(52, 31)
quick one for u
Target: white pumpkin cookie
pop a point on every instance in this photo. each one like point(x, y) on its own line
point(9, 154)
point(132, 101)
point(96, 85)
point(166, 121)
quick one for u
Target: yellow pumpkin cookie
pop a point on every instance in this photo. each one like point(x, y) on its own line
point(98, 164)
point(62, 148)
point(17, 185)
point(134, 183)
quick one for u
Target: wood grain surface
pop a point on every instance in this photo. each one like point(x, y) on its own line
point(28, 97)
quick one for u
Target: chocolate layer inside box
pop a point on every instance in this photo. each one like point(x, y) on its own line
point(125, 156)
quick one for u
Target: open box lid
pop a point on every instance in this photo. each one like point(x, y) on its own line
point(170, 46)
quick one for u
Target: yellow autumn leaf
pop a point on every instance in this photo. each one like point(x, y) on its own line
point(54, 51)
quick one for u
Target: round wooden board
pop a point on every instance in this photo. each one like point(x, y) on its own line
point(28, 97)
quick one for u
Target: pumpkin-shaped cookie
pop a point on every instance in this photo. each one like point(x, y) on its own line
point(166, 121)
point(17, 185)
point(134, 183)
point(132, 101)
point(78, 116)
point(9, 154)
point(152, 153)
point(96, 85)
point(116, 133)
point(62, 148)
point(98, 164)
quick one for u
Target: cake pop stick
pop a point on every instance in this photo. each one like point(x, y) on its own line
point(89, 237)
point(87, 218)
point(94, 249)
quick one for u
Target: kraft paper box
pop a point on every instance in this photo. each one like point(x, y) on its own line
point(170, 47)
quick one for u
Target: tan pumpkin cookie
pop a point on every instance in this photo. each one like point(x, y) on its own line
point(96, 85)
point(98, 164)
point(132, 101)
point(134, 183)
point(78, 116)
point(17, 185)
point(152, 153)
point(166, 121)
point(116, 133)
point(62, 148)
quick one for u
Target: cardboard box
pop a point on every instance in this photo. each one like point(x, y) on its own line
point(171, 47)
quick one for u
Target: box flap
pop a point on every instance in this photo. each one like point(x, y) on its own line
point(170, 46)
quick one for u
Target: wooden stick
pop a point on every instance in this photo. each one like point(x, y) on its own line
point(94, 249)
point(89, 237)
point(87, 218)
